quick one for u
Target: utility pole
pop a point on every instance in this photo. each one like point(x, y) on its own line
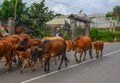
point(11, 21)
point(15, 16)
point(110, 23)
point(15, 9)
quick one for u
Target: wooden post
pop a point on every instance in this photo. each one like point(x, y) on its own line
point(11, 24)
point(72, 29)
point(87, 29)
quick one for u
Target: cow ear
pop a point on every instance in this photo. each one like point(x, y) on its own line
point(40, 49)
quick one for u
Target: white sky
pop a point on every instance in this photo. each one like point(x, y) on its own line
point(87, 6)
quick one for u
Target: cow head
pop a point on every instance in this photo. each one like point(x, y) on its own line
point(70, 45)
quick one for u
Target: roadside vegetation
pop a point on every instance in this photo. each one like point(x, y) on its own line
point(104, 35)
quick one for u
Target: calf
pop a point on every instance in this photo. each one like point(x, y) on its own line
point(30, 56)
point(98, 46)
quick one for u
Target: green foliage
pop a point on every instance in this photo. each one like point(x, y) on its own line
point(115, 14)
point(8, 8)
point(38, 14)
point(104, 35)
point(33, 17)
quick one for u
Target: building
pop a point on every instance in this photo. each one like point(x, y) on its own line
point(102, 22)
point(58, 21)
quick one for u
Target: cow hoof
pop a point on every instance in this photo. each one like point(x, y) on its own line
point(5, 64)
point(46, 71)
point(59, 68)
point(7, 72)
point(33, 69)
point(21, 71)
point(79, 62)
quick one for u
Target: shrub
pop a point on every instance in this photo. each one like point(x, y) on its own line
point(104, 35)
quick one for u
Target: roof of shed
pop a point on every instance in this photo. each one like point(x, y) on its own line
point(79, 18)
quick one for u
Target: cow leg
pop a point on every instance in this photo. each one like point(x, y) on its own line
point(41, 61)
point(9, 62)
point(76, 56)
point(101, 53)
point(23, 66)
point(66, 60)
point(59, 57)
point(97, 53)
point(90, 53)
point(61, 63)
point(47, 64)
point(34, 65)
point(55, 60)
point(6, 62)
point(84, 55)
point(10, 65)
point(20, 62)
point(30, 65)
point(14, 59)
point(81, 56)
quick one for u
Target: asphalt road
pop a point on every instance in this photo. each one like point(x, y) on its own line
point(104, 70)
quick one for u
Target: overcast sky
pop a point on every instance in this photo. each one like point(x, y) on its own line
point(74, 6)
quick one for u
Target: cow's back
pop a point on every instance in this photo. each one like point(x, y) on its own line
point(59, 46)
point(54, 47)
point(52, 38)
point(98, 45)
point(83, 43)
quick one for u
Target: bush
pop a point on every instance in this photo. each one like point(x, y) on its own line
point(104, 35)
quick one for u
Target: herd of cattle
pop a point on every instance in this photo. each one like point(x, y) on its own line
point(22, 49)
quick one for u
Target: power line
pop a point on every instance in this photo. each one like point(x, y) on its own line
point(65, 4)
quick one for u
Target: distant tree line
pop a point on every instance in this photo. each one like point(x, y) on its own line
point(114, 14)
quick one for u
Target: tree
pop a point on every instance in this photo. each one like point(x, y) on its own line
point(38, 14)
point(115, 14)
point(8, 7)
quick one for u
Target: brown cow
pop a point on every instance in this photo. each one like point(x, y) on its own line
point(30, 56)
point(25, 57)
point(25, 36)
point(7, 52)
point(35, 42)
point(14, 40)
point(98, 46)
point(52, 38)
point(23, 46)
point(81, 44)
point(69, 45)
point(53, 48)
